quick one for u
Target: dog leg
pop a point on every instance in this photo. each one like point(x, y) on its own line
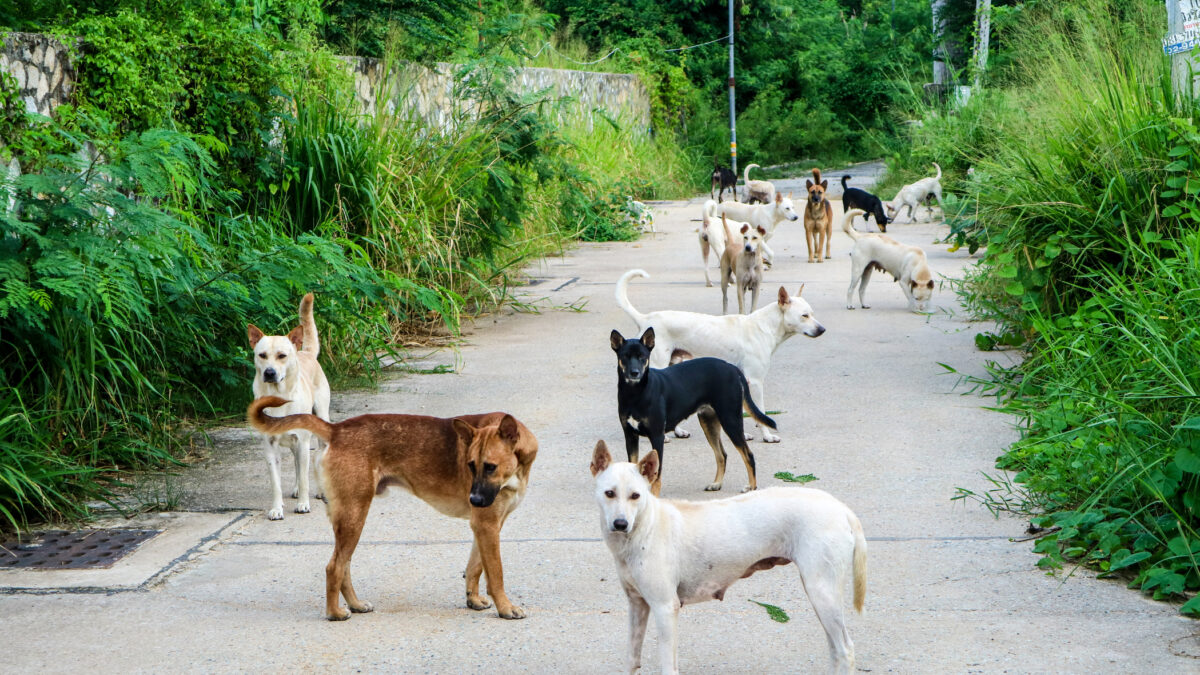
point(666, 619)
point(768, 254)
point(753, 298)
point(639, 612)
point(756, 395)
point(741, 296)
point(276, 510)
point(724, 288)
point(347, 513)
point(704, 248)
point(855, 278)
point(711, 427)
point(862, 286)
point(474, 570)
point(486, 524)
point(301, 454)
point(828, 232)
point(679, 432)
point(809, 235)
point(656, 442)
point(823, 586)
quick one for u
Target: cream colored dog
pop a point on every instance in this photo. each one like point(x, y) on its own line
point(762, 191)
point(286, 366)
point(741, 265)
point(766, 216)
point(674, 553)
point(915, 194)
point(906, 264)
point(712, 237)
point(748, 341)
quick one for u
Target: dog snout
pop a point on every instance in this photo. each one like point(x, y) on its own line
point(818, 331)
point(479, 500)
point(620, 524)
point(269, 375)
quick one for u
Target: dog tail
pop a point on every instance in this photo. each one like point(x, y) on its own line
point(748, 403)
point(281, 425)
point(816, 175)
point(623, 295)
point(939, 176)
point(746, 173)
point(846, 219)
point(312, 343)
point(844, 179)
point(860, 563)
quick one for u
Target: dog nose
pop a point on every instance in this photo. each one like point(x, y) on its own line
point(269, 374)
point(476, 499)
point(820, 330)
point(620, 524)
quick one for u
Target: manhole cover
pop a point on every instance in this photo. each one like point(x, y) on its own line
point(62, 550)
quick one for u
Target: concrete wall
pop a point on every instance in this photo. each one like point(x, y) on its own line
point(42, 68)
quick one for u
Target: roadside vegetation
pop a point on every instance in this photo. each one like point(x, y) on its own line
point(1086, 172)
point(213, 166)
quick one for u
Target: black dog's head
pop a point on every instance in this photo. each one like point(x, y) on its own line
point(633, 356)
point(881, 218)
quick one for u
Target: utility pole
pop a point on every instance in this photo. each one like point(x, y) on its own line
point(1183, 35)
point(941, 72)
point(732, 111)
point(983, 33)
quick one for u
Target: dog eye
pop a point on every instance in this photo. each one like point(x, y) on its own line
point(489, 468)
point(281, 356)
point(610, 494)
point(471, 466)
point(634, 496)
point(262, 355)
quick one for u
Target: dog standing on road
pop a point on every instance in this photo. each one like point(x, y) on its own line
point(472, 466)
point(741, 264)
point(766, 216)
point(650, 401)
point(675, 553)
point(906, 264)
point(748, 341)
point(723, 178)
point(917, 193)
point(818, 217)
point(712, 237)
point(286, 366)
point(758, 191)
point(855, 198)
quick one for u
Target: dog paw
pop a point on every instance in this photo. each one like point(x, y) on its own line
point(748, 488)
point(295, 493)
point(302, 507)
point(770, 438)
point(478, 602)
point(362, 607)
point(749, 436)
point(275, 513)
point(849, 306)
point(866, 307)
point(819, 260)
point(682, 433)
point(340, 615)
point(712, 487)
point(708, 284)
point(513, 612)
point(321, 496)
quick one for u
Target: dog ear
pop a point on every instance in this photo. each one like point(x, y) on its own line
point(784, 300)
point(600, 458)
point(296, 337)
point(808, 183)
point(648, 467)
point(931, 284)
point(509, 432)
point(466, 432)
point(616, 340)
point(801, 291)
point(254, 334)
point(762, 231)
point(648, 338)
point(824, 185)
point(744, 229)
point(779, 197)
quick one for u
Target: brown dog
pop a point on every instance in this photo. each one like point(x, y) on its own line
point(818, 217)
point(471, 466)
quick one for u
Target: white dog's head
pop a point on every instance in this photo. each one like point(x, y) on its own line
point(798, 315)
point(785, 208)
point(752, 239)
point(275, 355)
point(622, 489)
point(922, 290)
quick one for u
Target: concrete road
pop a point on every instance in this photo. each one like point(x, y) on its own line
point(866, 408)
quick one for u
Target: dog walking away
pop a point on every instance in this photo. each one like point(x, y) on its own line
point(766, 216)
point(286, 366)
point(757, 191)
point(818, 218)
point(650, 401)
point(723, 178)
point(906, 264)
point(472, 466)
point(741, 265)
point(856, 198)
point(675, 553)
point(917, 193)
point(712, 237)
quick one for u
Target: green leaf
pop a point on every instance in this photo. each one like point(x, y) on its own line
point(1131, 559)
point(1172, 211)
point(1178, 151)
point(1014, 288)
point(1177, 165)
point(1188, 460)
point(1191, 607)
point(789, 477)
point(1168, 194)
point(1190, 423)
point(776, 613)
point(1007, 272)
point(1051, 251)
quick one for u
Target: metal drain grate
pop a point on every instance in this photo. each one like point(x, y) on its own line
point(62, 550)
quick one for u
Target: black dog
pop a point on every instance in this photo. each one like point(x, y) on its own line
point(854, 198)
point(724, 178)
point(651, 401)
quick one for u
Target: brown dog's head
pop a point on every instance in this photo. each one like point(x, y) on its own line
point(491, 458)
point(816, 187)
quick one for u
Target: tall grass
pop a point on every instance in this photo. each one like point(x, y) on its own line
point(1084, 195)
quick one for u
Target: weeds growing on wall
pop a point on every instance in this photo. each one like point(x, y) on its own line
point(1084, 194)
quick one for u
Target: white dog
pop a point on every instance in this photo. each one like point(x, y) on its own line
point(906, 264)
point(286, 366)
point(758, 190)
point(748, 341)
point(674, 553)
point(914, 195)
point(766, 216)
point(712, 236)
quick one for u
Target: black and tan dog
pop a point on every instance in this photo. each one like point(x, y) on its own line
point(472, 466)
point(818, 218)
point(650, 401)
point(856, 198)
point(723, 178)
